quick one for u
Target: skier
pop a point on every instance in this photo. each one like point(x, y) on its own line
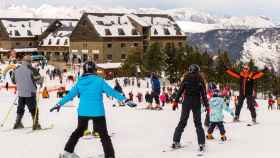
point(119, 89)
point(90, 88)
point(270, 102)
point(278, 103)
point(217, 105)
point(25, 77)
point(162, 98)
point(193, 89)
point(155, 90)
point(149, 100)
point(247, 79)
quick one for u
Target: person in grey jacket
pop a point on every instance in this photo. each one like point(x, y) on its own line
point(26, 77)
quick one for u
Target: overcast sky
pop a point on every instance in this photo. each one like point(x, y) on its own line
point(268, 8)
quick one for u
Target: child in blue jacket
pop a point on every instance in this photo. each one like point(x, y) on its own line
point(90, 88)
point(217, 106)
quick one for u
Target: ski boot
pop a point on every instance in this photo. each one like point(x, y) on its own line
point(95, 134)
point(176, 145)
point(68, 155)
point(18, 124)
point(201, 147)
point(87, 133)
point(209, 136)
point(254, 120)
point(223, 137)
point(236, 119)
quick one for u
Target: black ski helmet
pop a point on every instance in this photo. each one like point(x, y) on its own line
point(194, 68)
point(89, 67)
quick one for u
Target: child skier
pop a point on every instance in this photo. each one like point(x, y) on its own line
point(217, 105)
point(149, 100)
point(193, 89)
point(270, 102)
point(162, 99)
point(90, 88)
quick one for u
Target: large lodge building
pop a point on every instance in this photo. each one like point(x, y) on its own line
point(102, 37)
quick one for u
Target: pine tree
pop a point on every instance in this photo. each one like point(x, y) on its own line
point(154, 58)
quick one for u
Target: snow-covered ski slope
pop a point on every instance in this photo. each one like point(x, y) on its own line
point(139, 133)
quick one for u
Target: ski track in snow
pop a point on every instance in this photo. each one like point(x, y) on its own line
point(139, 133)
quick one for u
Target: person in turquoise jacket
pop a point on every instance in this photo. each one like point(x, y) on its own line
point(90, 89)
point(217, 107)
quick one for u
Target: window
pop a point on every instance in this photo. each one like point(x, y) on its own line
point(108, 32)
point(134, 32)
point(66, 42)
point(123, 45)
point(109, 45)
point(135, 44)
point(123, 56)
point(22, 25)
point(100, 22)
point(166, 31)
point(29, 33)
point(17, 44)
point(30, 44)
point(109, 57)
point(180, 44)
point(155, 32)
point(11, 33)
point(17, 33)
point(58, 41)
point(121, 32)
point(50, 42)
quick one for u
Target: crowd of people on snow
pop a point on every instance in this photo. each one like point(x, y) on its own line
point(192, 92)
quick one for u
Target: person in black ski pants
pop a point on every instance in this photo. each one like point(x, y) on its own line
point(90, 88)
point(193, 89)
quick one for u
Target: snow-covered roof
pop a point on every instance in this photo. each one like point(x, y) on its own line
point(161, 25)
point(113, 25)
point(18, 28)
point(20, 50)
point(109, 65)
point(61, 37)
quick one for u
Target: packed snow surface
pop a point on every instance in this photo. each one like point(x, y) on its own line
point(138, 133)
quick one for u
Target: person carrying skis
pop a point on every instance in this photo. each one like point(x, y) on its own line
point(26, 77)
point(217, 106)
point(247, 79)
point(193, 89)
point(90, 88)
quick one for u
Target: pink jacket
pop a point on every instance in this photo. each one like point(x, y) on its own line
point(162, 98)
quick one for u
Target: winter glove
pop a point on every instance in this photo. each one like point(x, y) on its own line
point(174, 105)
point(130, 103)
point(56, 107)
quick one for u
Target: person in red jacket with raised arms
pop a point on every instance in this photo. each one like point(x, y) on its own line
point(247, 79)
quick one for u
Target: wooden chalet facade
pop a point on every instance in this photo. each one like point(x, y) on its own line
point(110, 37)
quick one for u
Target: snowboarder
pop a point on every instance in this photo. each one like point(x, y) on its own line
point(90, 88)
point(193, 89)
point(247, 79)
point(217, 106)
point(25, 77)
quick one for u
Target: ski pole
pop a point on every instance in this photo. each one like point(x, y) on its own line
point(7, 116)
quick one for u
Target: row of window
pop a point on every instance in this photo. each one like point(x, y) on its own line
point(58, 42)
point(109, 45)
point(120, 32)
point(16, 33)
